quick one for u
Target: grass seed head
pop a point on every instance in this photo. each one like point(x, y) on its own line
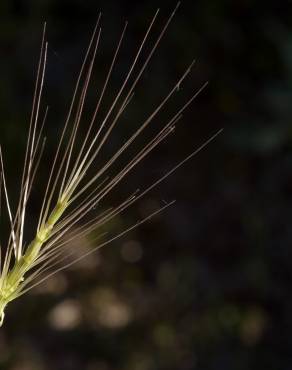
point(72, 191)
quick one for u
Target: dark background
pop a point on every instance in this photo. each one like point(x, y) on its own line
point(207, 284)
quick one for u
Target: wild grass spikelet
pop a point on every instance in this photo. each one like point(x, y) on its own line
point(72, 192)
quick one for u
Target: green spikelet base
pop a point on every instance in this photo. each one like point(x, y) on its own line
point(10, 285)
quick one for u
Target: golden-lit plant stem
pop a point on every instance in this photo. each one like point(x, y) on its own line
point(11, 282)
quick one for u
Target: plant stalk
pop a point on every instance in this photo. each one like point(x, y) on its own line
point(11, 283)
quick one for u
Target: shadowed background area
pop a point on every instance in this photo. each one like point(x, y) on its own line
point(206, 284)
